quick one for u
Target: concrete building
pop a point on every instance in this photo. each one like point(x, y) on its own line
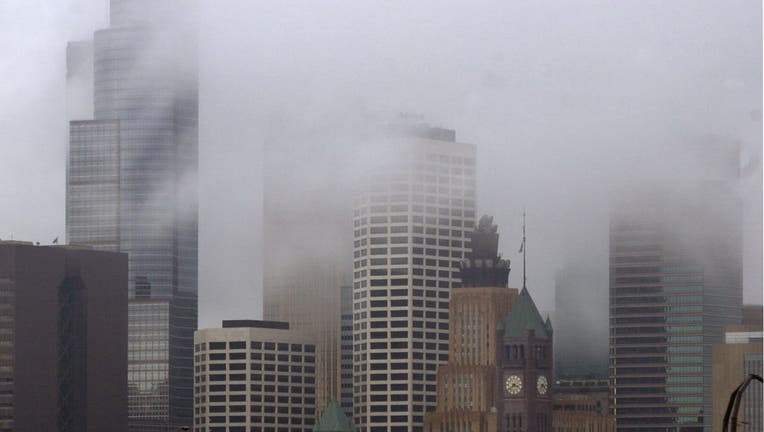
point(580, 413)
point(733, 360)
point(254, 376)
point(63, 339)
point(675, 282)
point(581, 405)
point(413, 210)
point(471, 385)
point(131, 187)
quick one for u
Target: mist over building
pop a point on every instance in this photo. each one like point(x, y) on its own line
point(581, 342)
point(413, 210)
point(675, 283)
point(307, 247)
point(63, 339)
point(131, 187)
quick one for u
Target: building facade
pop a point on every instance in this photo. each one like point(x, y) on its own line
point(470, 386)
point(413, 211)
point(307, 245)
point(675, 282)
point(580, 413)
point(346, 350)
point(527, 367)
point(131, 187)
point(582, 405)
point(254, 376)
point(63, 339)
point(733, 361)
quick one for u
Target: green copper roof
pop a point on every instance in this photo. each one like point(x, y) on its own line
point(525, 316)
point(334, 420)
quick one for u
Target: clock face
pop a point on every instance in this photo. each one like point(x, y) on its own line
point(513, 384)
point(542, 384)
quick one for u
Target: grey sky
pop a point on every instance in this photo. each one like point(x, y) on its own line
point(563, 100)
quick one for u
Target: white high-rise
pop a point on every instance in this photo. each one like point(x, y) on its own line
point(413, 209)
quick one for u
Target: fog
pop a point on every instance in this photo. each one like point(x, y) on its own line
point(566, 103)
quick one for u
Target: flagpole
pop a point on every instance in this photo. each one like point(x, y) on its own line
point(524, 251)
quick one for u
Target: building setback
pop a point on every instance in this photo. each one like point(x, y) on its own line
point(413, 210)
point(131, 187)
point(254, 376)
point(63, 339)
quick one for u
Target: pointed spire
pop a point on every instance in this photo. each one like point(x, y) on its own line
point(524, 316)
point(334, 420)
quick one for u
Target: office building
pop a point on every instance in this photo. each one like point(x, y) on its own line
point(63, 339)
point(254, 376)
point(346, 350)
point(131, 187)
point(580, 413)
point(307, 251)
point(675, 282)
point(581, 405)
point(471, 385)
point(413, 210)
point(733, 360)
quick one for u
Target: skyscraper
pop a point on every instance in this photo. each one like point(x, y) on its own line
point(131, 187)
point(412, 213)
point(307, 246)
point(63, 339)
point(675, 282)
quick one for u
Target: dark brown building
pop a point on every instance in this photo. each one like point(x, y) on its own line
point(527, 367)
point(63, 339)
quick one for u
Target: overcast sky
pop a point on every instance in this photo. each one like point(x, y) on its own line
point(562, 99)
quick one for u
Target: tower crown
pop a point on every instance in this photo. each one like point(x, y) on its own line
point(483, 266)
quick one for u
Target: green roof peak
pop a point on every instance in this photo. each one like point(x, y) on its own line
point(525, 316)
point(334, 420)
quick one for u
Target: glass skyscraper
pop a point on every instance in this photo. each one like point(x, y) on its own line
point(675, 282)
point(131, 187)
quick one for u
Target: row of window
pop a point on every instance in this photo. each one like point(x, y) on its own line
point(255, 345)
point(415, 219)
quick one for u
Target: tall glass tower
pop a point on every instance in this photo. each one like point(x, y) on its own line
point(132, 187)
point(675, 282)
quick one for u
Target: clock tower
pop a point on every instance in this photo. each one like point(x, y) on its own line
point(526, 364)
